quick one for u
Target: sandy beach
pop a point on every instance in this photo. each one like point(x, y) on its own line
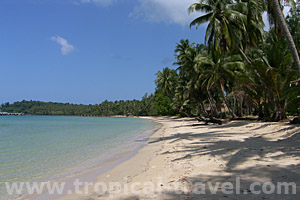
point(185, 159)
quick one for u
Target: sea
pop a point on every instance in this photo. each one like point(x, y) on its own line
point(48, 148)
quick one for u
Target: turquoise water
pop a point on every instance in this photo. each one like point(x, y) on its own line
point(35, 148)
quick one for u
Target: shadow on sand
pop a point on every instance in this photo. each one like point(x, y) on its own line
point(236, 152)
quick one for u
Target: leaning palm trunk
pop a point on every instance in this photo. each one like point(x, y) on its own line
point(243, 55)
point(212, 106)
point(225, 99)
point(282, 111)
point(203, 108)
point(241, 106)
point(287, 34)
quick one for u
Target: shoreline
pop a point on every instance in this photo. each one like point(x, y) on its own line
point(99, 171)
point(104, 164)
point(137, 161)
point(183, 152)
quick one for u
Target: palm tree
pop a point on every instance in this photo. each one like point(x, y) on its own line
point(266, 80)
point(232, 25)
point(185, 53)
point(166, 82)
point(293, 21)
point(181, 99)
point(287, 34)
point(276, 18)
point(218, 69)
point(279, 71)
point(219, 33)
point(272, 15)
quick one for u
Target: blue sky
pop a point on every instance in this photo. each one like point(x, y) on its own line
point(86, 51)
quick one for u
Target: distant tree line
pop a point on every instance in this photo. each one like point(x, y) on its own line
point(142, 107)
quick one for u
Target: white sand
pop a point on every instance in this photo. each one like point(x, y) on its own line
point(180, 156)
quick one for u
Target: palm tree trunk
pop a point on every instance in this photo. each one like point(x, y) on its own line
point(244, 55)
point(234, 104)
point(212, 106)
point(241, 106)
point(287, 34)
point(203, 108)
point(282, 111)
point(225, 99)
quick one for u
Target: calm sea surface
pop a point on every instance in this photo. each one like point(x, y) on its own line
point(40, 148)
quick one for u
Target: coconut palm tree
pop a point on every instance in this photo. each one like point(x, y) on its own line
point(293, 20)
point(218, 69)
point(185, 53)
point(276, 17)
point(272, 16)
point(222, 20)
point(166, 82)
point(232, 25)
point(267, 79)
point(287, 33)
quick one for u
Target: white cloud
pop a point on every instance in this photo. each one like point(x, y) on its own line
point(286, 11)
point(169, 11)
point(266, 21)
point(156, 11)
point(175, 11)
point(99, 2)
point(65, 46)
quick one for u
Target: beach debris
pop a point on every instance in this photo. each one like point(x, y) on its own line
point(188, 156)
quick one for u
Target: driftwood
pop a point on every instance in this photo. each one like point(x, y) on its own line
point(246, 119)
point(212, 120)
point(296, 120)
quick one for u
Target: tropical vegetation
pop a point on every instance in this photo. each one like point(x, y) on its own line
point(142, 107)
point(242, 69)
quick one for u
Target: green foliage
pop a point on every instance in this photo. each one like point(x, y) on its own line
point(231, 24)
point(107, 108)
point(293, 21)
point(166, 81)
point(163, 105)
point(243, 70)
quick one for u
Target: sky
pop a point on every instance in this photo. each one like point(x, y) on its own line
point(88, 51)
